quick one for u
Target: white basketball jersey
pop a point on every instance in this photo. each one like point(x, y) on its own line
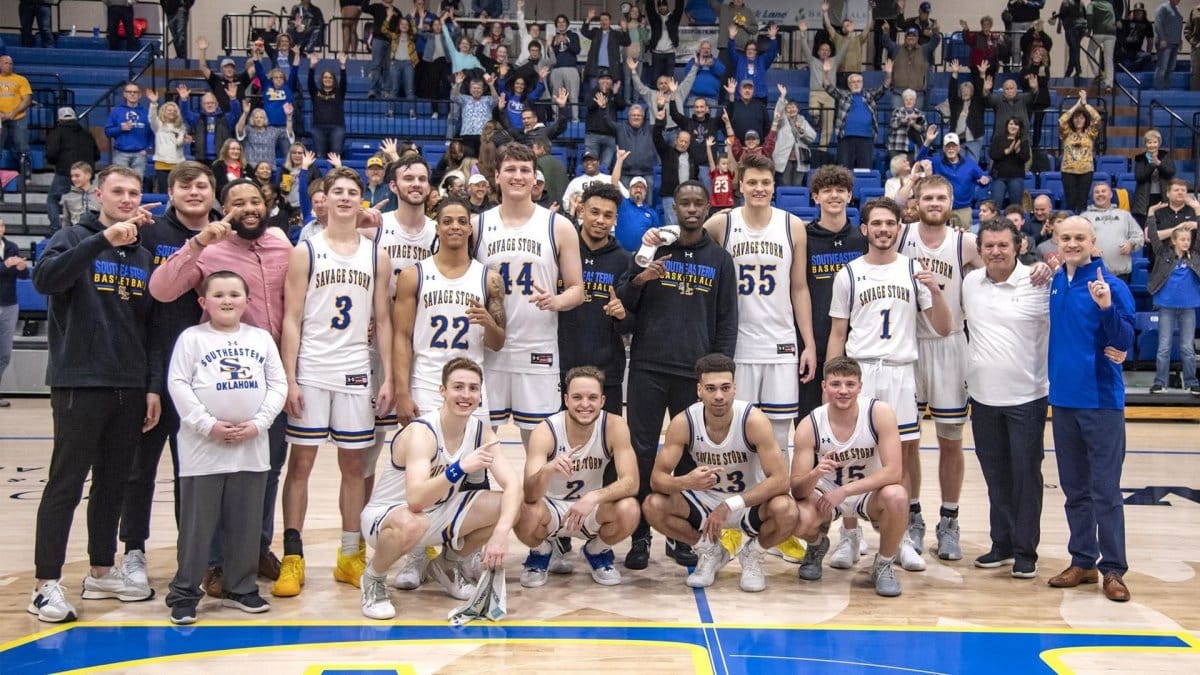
point(946, 264)
point(525, 256)
point(441, 329)
point(403, 247)
point(857, 456)
point(390, 487)
point(882, 303)
point(763, 259)
point(337, 312)
point(588, 464)
point(740, 468)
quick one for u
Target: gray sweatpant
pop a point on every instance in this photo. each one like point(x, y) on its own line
point(234, 499)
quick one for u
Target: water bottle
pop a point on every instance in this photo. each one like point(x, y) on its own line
point(645, 254)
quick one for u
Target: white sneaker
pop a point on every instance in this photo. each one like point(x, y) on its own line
point(862, 542)
point(536, 568)
point(472, 567)
point(412, 571)
point(558, 559)
point(909, 558)
point(114, 585)
point(133, 566)
point(450, 577)
point(604, 570)
point(375, 601)
point(753, 580)
point(712, 556)
point(848, 549)
point(48, 603)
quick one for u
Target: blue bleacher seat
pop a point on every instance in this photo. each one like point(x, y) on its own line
point(28, 299)
point(866, 194)
point(852, 215)
point(867, 178)
point(791, 202)
point(1052, 182)
point(797, 192)
point(1034, 194)
point(1112, 164)
point(156, 198)
point(805, 213)
point(1102, 177)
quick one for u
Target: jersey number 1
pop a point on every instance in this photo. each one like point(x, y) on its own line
point(885, 333)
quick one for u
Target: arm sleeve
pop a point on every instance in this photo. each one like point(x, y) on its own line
point(61, 264)
point(630, 293)
point(192, 413)
point(1116, 322)
point(179, 274)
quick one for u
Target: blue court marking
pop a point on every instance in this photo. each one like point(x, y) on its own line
point(743, 650)
point(712, 638)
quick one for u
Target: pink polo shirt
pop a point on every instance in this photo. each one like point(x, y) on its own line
point(262, 262)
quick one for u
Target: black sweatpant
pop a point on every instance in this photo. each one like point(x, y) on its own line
point(650, 395)
point(95, 430)
point(143, 477)
point(1077, 189)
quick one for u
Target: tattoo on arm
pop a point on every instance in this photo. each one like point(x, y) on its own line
point(495, 299)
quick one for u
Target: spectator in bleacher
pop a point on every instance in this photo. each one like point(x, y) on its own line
point(752, 65)
point(1078, 128)
point(1023, 14)
point(734, 13)
point(485, 9)
point(375, 187)
point(279, 214)
point(634, 134)
point(988, 213)
point(404, 63)
point(1047, 249)
point(1117, 233)
point(490, 39)
point(1168, 36)
point(752, 144)
point(1033, 38)
point(638, 28)
point(278, 95)
point(1102, 23)
point(604, 55)
point(265, 57)
point(910, 66)
point(964, 112)
point(550, 167)
point(170, 134)
point(307, 26)
point(899, 171)
point(847, 44)
point(38, 11)
point(678, 166)
point(1191, 32)
point(963, 172)
point(658, 98)
point(1175, 284)
point(478, 194)
point(664, 36)
point(458, 47)
point(517, 95)
point(261, 140)
point(885, 27)
point(385, 22)
point(1072, 22)
point(564, 47)
point(925, 25)
point(450, 161)
point(720, 176)
point(289, 176)
point(1010, 102)
point(1009, 151)
point(211, 127)
point(263, 174)
point(1038, 224)
point(351, 11)
point(120, 19)
point(706, 74)
point(527, 34)
point(1152, 171)
point(12, 267)
point(820, 104)
point(177, 13)
point(1181, 212)
point(793, 138)
point(856, 125)
point(16, 97)
point(540, 196)
point(219, 83)
point(906, 128)
point(745, 113)
point(1039, 67)
point(592, 173)
point(531, 127)
point(475, 109)
point(1135, 36)
point(988, 49)
point(599, 128)
point(1027, 250)
point(80, 199)
point(328, 106)
point(128, 128)
point(635, 215)
point(67, 143)
point(230, 164)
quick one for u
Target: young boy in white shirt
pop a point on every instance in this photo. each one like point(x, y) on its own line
point(228, 384)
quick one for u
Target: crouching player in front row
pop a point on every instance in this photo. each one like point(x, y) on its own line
point(846, 462)
point(420, 500)
point(568, 458)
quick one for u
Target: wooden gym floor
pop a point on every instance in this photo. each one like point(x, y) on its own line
point(952, 618)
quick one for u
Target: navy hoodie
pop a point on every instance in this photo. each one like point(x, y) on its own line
point(586, 335)
point(99, 310)
point(688, 314)
point(828, 252)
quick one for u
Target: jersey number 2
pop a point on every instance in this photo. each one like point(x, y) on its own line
point(342, 304)
point(441, 323)
point(573, 487)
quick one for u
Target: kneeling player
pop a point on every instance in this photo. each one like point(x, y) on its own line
point(568, 456)
point(856, 477)
point(740, 479)
point(419, 498)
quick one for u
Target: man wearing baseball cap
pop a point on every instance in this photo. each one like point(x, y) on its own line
point(219, 83)
point(962, 172)
point(541, 196)
point(634, 215)
point(377, 189)
point(910, 65)
point(478, 198)
point(746, 113)
point(922, 22)
point(66, 144)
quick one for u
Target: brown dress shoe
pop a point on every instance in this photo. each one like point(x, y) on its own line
point(1073, 576)
point(1114, 588)
point(214, 582)
point(268, 565)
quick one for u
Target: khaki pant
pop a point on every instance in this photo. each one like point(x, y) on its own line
point(820, 107)
point(963, 216)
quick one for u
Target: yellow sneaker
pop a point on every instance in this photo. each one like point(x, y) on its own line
point(291, 577)
point(731, 539)
point(350, 568)
point(792, 550)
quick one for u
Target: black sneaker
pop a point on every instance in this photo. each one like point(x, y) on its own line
point(639, 554)
point(251, 603)
point(1158, 389)
point(1194, 391)
point(682, 553)
point(184, 612)
point(1024, 569)
point(993, 559)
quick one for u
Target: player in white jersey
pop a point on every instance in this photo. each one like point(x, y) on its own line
point(532, 248)
point(334, 290)
point(740, 479)
point(420, 497)
point(568, 455)
point(877, 300)
point(846, 460)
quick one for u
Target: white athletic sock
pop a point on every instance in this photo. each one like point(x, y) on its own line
point(757, 547)
point(884, 560)
point(349, 543)
point(544, 548)
point(370, 571)
point(596, 546)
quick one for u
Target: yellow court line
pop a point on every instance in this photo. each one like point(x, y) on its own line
point(397, 669)
point(34, 637)
point(701, 664)
point(1054, 657)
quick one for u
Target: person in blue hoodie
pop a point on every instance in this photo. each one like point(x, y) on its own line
point(753, 65)
point(129, 129)
point(1091, 315)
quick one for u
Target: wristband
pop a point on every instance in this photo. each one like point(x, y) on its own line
point(735, 503)
point(454, 473)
